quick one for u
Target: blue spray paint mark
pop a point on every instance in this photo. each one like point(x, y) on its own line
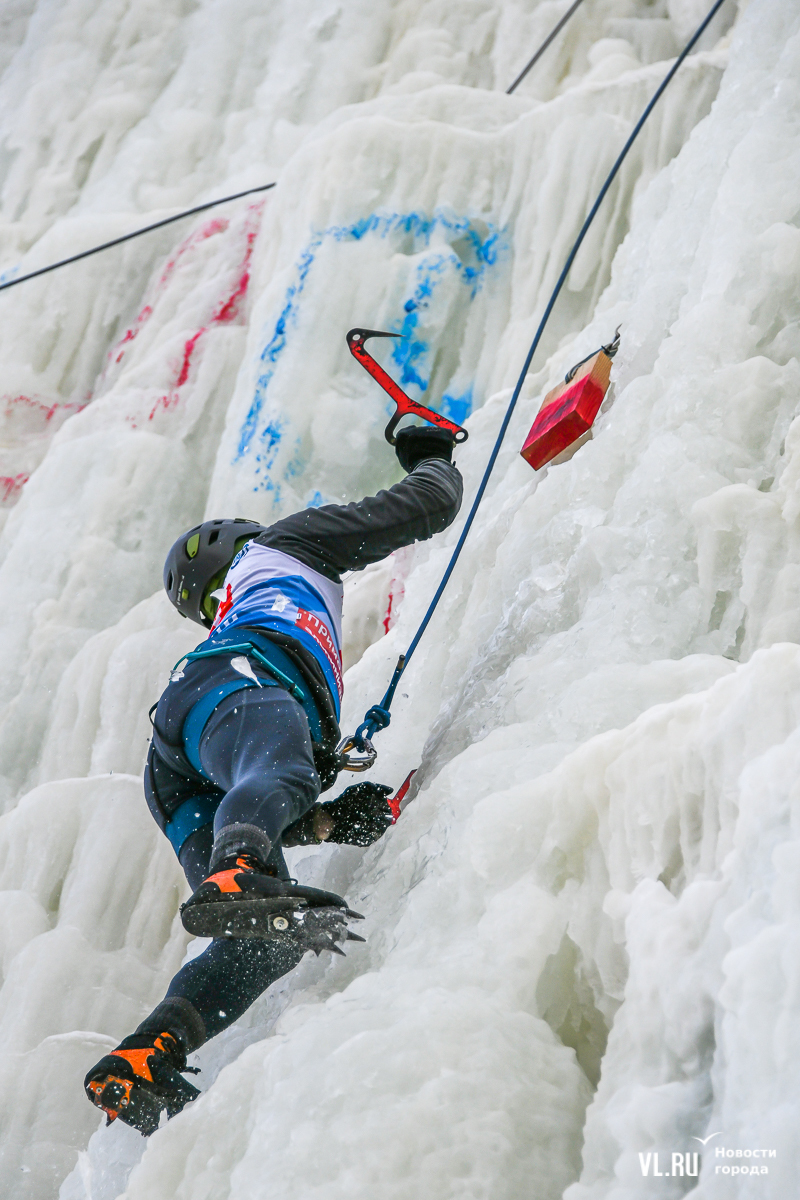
point(471, 248)
point(271, 352)
point(457, 408)
point(316, 500)
point(409, 353)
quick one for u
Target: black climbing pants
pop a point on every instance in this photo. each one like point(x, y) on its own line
point(223, 981)
point(256, 749)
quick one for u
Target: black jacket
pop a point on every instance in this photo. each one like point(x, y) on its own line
point(348, 537)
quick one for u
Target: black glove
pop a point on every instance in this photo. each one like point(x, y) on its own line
point(417, 442)
point(360, 815)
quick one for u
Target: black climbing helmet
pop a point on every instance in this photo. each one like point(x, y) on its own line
point(197, 557)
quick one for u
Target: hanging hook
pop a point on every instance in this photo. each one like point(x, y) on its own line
point(610, 349)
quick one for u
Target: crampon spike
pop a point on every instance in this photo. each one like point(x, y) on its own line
point(405, 405)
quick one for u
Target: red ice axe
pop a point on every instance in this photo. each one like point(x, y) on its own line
point(405, 405)
point(394, 802)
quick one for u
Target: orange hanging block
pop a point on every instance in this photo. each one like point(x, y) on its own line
point(569, 410)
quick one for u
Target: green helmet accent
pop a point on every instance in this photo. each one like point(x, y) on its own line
point(198, 558)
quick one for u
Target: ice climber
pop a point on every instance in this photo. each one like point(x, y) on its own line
point(244, 740)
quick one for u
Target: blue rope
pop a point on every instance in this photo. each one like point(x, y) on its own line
point(370, 726)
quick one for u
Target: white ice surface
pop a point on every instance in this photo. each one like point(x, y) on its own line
point(583, 934)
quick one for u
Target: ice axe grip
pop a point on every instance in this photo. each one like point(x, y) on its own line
point(405, 405)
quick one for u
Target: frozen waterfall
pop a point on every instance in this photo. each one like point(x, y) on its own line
point(583, 933)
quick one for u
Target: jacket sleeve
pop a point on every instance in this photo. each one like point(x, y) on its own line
point(347, 537)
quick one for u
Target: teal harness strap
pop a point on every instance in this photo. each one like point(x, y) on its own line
point(198, 716)
point(250, 650)
point(190, 816)
point(292, 685)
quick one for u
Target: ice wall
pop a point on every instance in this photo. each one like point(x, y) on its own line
point(580, 934)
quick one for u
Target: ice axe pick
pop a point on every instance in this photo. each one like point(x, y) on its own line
point(405, 405)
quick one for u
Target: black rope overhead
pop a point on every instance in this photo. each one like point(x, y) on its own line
point(198, 208)
point(126, 237)
point(551, 35)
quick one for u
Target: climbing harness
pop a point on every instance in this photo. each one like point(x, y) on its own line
point(550, 37)
point(379, 716)
point(250, 651)
point(126, 237)
point(564, 421)
point(202, 710)
point(405, 405)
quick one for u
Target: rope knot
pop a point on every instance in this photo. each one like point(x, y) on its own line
point(375, 718)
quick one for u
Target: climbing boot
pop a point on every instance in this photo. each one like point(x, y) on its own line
point(140, 1080)
point(239, 899)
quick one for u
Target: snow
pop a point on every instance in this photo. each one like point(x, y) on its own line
point(583, 932)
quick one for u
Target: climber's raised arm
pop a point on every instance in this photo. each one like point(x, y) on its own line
point(346, 537)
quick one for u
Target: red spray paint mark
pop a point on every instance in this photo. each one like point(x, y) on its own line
point(37, 416)
point(212, 227)
point(397, 590)
point(225, 313)
point(42, 408)
point(394, 802)
point(188, 351)
point(131, 333)
point(11, 486)
point(387, 620)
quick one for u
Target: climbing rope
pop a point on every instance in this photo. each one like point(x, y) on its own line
point(378, 716)
point(265, 187)
point(126, 237)
point(551, 35)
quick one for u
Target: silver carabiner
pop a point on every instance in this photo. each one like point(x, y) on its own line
point(363, 760)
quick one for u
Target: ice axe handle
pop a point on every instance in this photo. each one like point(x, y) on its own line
point(405, 405)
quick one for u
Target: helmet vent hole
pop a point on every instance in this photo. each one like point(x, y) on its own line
point(170, 581)
point(212, 537)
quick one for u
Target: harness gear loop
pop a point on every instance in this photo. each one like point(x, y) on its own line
point(405, 405)
point(248, 649)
